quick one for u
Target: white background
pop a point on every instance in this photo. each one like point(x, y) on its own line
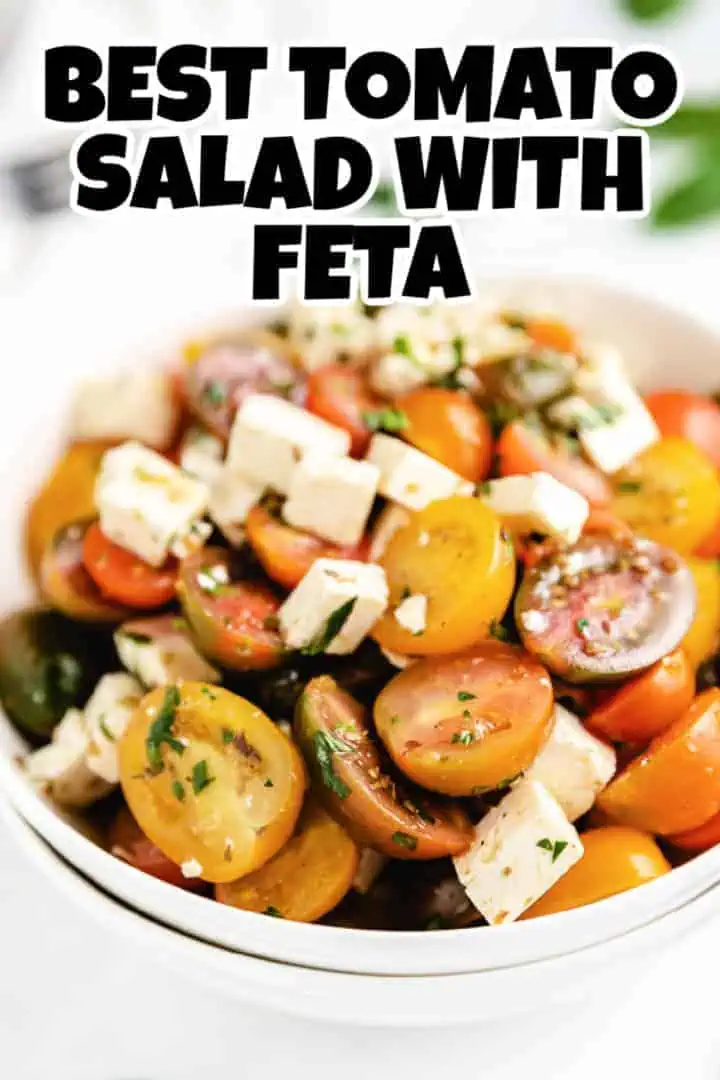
point(75, 1003)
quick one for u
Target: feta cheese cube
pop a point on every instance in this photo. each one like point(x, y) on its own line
point(389, 521)
point(146, 504)
point(159, 651)
point(538, 503)
point(60, 768)
point(332, 497)
point(573, 765)
point(270, 435)
point(411, 613)
point(129, 405)
point(370, 866)
point(329, 586)
point(411, 478)
point(323, 335)
point(232, 497)
point(107, 714)
point(201, 455)
point(520, 849)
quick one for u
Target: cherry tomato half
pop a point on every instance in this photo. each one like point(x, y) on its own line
point(550, 333)
point(342, 396)
point(128, 842)
point(615, 859)
point(694, 417)
point(66, 584)
point(646, 706)
point(701, 640)
point(447, 425)
point(123, 576)
point(521, 449)
point(286, 554)
point(702, 838)
point(466, 724)
point(210, 779)
point(456, 553)
point(675, 784)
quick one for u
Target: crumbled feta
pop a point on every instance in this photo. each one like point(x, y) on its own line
point(520, 849)
point(232, 497)
point(411, 613)
point(61, 769)
point(397, 373)
point(492, 339)
point(270, 435)
point(107, 715)
point(573, 765)
point(146, 504)
point(159, 651)
point(329, 586)
point(411, 478)
point(135, 405)
point(535, 622)
point(324, 335)
point(538, 503)
point(390, 520)
point(201, 454)
point(191, 868)
point(332, 497)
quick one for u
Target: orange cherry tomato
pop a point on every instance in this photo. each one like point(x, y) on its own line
point(710, 547)
point(702, 638)
point(675, 784)
point(551, 334)
point(123, 576)
point(447, 425)
point(646, 706)
point(696, 840)
point(602, 520)
point(616, 859)
point(456, 553)
point(286, 554)
point(522, 450)
point(694, 417)
point(341, 395)
point(67, 495)
point(128, 842)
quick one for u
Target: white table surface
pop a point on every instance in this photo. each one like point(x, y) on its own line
point(75, 1002)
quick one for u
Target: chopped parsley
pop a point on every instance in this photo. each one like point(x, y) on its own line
point(401, 345)
point(388, 419)
point(403, 840)
point(629, 487)
point(215, 393)
point(275, 912)
point(581, 625)
point(325, 746)
point(463, 695)
point(332, 628)
point(554, 847)
point(137, 638)
point(200, 777)
point(268, 783)
point(507, 782)
point(498, 631)
point(465, 738)
point(485, 488)
point(178, 791)
point(105, 730)
point(458, 347)
point(208, 693)
point(227, 735)
point(161, 730)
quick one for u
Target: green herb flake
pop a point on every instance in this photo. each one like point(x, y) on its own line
point(105, 730)
point(403, 840)
point(161, 730)
point(326, 746)
point(401, 345)
point(268, 783)
point(215, 393)
point(389, 419)
point(464, 695)
point(629, 487)
point(332, 628)
point(465, 738)
point(275, 912)
point(200, 777)
point(498, 631)
point(227, 735)
point(581, 625)
point(208, 693)
point(553, 847)
point(178, 791)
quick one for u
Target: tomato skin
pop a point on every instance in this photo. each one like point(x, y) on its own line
point(128, 842)
point(616, 859)
point(286, 554)
point(496, 697)
point(694, 417)
point(646, 706)
point(123, 576)
point(456, 553)
point(700, 839)
point(66, 584)
point(520, 451)
point(675, 784)
point(341, 395)
point(551, 334)
point(447, 425)
point(710, 547)
point(702, 638)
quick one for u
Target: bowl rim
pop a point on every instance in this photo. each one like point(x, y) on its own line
point(391, 952)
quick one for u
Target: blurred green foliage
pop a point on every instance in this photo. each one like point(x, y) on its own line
point(653, 9)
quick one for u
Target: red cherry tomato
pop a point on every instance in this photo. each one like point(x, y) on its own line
point(129, 843)
point(700, 839)
point(646, 706)
point(694, 417)
point(341, 395)
point(125, 578)
point(522, 450)
point(286, 554)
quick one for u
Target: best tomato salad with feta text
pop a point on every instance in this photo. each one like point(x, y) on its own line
point(402, 619)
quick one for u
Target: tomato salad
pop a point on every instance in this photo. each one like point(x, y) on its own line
point(402, 618)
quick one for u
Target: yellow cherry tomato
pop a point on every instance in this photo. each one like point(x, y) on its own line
point(307, 878)
point(671, 494)
point(66, 496)
point(616, 859)
point(702, 637)
point(210, 779)
point(456, 554)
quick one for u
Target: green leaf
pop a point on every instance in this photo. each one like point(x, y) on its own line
point(697, 197)
point(385, 419)
point(696, 120)
point(325, 747)
point(553, 847)
point(161, 730)
point(383, 198)
point(653, 9)
point(403, 840)
point(332, 628)
point(201, 778)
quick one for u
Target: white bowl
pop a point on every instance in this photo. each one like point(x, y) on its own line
point(662, 347)
point(369, 999)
